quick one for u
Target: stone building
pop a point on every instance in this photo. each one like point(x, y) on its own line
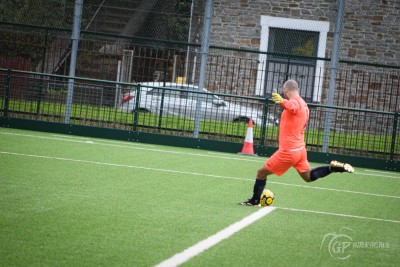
point(306, 28)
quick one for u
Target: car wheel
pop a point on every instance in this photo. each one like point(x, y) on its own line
point(141, 110)
point(242, 120)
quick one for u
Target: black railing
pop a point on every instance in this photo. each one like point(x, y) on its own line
point(169, 111)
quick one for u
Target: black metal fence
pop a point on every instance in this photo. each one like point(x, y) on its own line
point(126, 42)
point(230, 71)
point(171, 110)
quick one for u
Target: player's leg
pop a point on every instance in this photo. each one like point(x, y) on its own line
point(277, 164)
point(322, 171)
point(258, 188)
point(302, 165)
point(336, 166)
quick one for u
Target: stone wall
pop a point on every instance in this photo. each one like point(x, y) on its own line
point(371, 34)
point(371, 31)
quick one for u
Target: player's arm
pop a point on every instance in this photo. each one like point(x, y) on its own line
point(291, 106)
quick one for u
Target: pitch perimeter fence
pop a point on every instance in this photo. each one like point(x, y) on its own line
point(33, 100)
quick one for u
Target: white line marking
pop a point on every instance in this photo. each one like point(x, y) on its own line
point(193, 173)
point(70, 136)
point(211, 241)
point(134, 145)
point(333, 189)
point(380, 171)
point(120, 165)
point(98, 140)
point(207, 243)
point(124, 145)
point(377, 175)
point(340, 215)
point(46, 137)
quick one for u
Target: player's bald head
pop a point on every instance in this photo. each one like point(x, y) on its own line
point(291, 85)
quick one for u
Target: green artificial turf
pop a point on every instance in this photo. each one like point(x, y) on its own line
point(74, 201)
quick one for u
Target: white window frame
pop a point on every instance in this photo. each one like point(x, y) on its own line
point(268, 22)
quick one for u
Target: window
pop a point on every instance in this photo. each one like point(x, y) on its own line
point(302, 38)
point(296, 42)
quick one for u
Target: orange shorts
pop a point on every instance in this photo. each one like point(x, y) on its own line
point(282, 160)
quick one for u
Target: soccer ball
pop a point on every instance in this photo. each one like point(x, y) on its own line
point(267, 198)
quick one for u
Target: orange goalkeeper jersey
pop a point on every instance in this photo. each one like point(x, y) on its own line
point(293, 122)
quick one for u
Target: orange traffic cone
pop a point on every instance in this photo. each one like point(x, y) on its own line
point(248, 141)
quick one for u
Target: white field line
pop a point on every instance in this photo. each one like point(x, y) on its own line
point(340, 215)
point(97, 141)
point(207, 243)
point(192, 173)
point(148, 147)
point(380, 171)
point(333, 189)
point(145, 147)
point(377, 175)
point(120, 165)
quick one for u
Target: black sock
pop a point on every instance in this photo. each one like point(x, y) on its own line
point(259, 186)
point(319, 172)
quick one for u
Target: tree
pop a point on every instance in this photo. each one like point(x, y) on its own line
point(52, 13)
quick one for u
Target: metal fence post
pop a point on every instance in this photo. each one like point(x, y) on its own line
point(394, 133)
point(160, 118)
point(264, 121)
point(42, 70)
point(203, 65)
point(136, 111)
point(332, 82)
point(7, 96)
point(74, 52)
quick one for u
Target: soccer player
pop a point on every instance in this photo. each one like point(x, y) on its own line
point(292, 151)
